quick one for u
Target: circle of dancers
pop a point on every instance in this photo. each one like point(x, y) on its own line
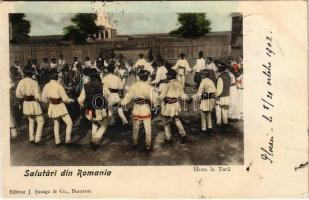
point(100, 91)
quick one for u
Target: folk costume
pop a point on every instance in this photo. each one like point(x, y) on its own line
point(199, 66)
point(171, 106)
point(223, 95)
point(182, 67)
point(240, 90)
point(233, 107)
point(54, 93)
point(143, 96)
point(29, 90)
point(114, 84)
point(206, 94)
point(93, 99)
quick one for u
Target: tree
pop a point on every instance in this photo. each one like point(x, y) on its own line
point(83, 26)
point(192, 25)
point(20, 28)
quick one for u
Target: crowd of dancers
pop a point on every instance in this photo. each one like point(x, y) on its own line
point(103, 89)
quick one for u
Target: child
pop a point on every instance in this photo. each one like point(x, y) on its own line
point(206, 92)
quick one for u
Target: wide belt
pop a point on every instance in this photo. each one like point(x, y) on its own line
point(170, 100)
point(163, 81)
point(207, 95)
point(113, 90)
point(55, 101)
point(29, 98)
point(141, 101)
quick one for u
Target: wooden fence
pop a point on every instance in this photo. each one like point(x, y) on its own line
point(169, 48)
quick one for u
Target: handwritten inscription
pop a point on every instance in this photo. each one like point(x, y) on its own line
point(267, 151)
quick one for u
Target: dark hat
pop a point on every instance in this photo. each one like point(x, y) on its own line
point(86, 71)
point(28, 70)
point(53, 74)
point(221, 65)
point(141, 55)
point(182, 54)
point(111, 67)
point(143, 75)
point(171, 74)
point(204, 72)
point(94, 74)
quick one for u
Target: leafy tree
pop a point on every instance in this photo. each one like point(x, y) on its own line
point(20, 27)
point(192, 25)
point(83, 26)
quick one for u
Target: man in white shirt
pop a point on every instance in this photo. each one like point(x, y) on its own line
point(53, 64)
point(182, 67)
point(141, 63)
point(171, 106)
point(160, 75)
point(199, 66)
point(115, 86)
point(54, 93)
point(62, 63)
point(223, 95)
point(29, 90)
point(143, 95)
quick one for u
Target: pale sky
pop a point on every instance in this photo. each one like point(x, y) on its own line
point(126, 17)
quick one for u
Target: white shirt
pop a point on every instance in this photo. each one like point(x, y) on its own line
point(207, 86)
point(54, 89)
point(28, 87)
point(61, 62)
point(239, 82)
point(53, 65)
point(140, 62)
point(200, 65)
point(111, 81)
point(143, 62)
point(142, 90)
point(19, 70)
point(173, 89)
point(87, 64)
point(182, 67)
point(212, 66)
point(160, 75)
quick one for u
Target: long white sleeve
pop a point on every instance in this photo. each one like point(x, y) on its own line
point(44, 95)
point(18, 91)
point(82, 97)
point(219, 87)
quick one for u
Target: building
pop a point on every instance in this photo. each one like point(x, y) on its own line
point(106, 31)
point(237, 35)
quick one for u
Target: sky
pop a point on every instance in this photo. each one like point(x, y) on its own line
point(127, 17)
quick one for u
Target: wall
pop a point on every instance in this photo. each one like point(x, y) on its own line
point(170, 48)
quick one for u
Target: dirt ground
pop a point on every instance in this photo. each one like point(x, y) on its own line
point(225, 147)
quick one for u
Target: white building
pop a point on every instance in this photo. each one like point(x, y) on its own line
point(106, 31)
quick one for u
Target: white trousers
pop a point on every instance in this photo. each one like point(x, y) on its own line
point(233, 106)
point(222, 114)
point(98, 130)
point(69, 124)
point(181, 79)
point(40, 123)
point(167, 128)
point(122, 116)
point(147, 126)
point(240, 104)
point(206, 117)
